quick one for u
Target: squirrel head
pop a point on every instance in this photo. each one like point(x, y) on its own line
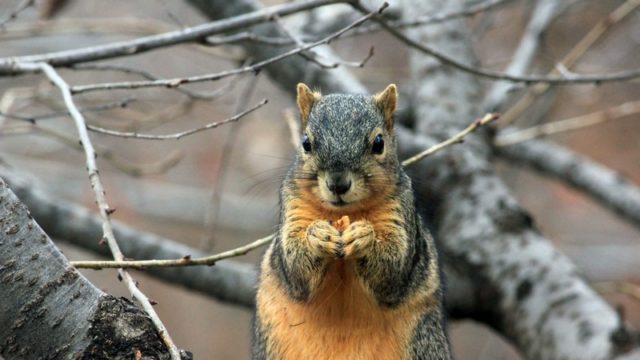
point(347, 151)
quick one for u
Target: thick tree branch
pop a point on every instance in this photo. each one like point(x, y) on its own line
point(607, 187)
point(49, 309)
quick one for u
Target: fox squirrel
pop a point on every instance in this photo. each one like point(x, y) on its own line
point(351, 274)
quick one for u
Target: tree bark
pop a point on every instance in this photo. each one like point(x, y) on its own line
point(524, 288)
point(48, 309)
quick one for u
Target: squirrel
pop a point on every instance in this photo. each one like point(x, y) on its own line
point(351, 272)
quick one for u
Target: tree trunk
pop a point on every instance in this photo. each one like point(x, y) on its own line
point(48, 309)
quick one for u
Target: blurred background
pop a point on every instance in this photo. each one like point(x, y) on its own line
point(217, 189)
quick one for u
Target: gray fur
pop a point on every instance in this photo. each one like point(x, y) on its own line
point(340, 127)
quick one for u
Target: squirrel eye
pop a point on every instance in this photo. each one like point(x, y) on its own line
point(306, 144)
point(378, 145)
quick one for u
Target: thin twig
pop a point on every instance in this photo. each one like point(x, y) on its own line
point(175, 136)
point(126, 166)
point(136, 46)
point(571, 58)
point(147, 75)
point(458, 138)
point(498, 75)
point(217, 76)
point(98, 188)
point(183, 261)
point(314, 57)
point(430, 19)
point(34, 118)
point(309, 55)
point(598, 117)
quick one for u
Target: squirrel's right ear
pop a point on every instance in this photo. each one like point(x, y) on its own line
point(306, 99)
point(387, 101)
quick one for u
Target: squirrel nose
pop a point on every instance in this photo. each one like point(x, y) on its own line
point(338, 183)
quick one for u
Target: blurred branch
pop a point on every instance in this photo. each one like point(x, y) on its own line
point(179, 135)
point(513, 136)
point(105, 210)
point(571, 58)
point(136, 46)
point(542, 16)
point(170, 83)
point(497, 75)
point(604, 185)
point(227, 281)
point(14, 13)
point(329, 18)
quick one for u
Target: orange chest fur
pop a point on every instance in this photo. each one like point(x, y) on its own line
point(342, 321)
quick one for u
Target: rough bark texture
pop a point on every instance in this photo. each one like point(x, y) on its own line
point(528, 291)
point(49, 310)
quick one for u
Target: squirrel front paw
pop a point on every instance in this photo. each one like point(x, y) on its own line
point(324, 239)
point(357, 239)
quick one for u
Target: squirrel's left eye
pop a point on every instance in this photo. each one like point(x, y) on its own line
point(378, 145)
point(306, 144)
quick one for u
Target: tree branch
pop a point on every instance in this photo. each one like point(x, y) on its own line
point(498, 75)
point(175, 82)
point(178, 135)
point(136, 46)
point(604, 185)
point(48, 308)
point(98, 188)
point(227, 281)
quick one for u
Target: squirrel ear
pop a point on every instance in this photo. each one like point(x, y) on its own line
point(387, 101)
point(306, 99)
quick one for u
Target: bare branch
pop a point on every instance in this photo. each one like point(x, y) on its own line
point(571, 58)
point(513, 136)
point(543, 15)
point(170, 83)
point(136, 46)
point(456, 139)
point(179, 135)
point(183, 261)
point(497, 75)
point(105, 210)
point(147, 75)
point(34, 118)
